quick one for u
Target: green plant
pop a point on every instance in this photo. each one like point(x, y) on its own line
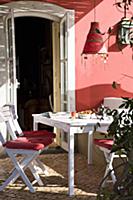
point(125, 5)
point(122, 130)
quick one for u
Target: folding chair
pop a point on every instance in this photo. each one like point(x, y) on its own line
point(28, 148)
point(105, 145)
point(9, 109)
point(19, 132)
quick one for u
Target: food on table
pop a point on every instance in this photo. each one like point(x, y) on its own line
point(86, 113)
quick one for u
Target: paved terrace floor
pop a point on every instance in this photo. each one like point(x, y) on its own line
point(87, 179)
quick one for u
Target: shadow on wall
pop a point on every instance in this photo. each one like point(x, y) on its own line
point(92, 97)
point(81, 7)
point(113, 44)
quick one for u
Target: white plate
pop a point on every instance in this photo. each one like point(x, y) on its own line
point(84, 116)
point(58, 114)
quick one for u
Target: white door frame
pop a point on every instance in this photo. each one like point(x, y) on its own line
point(54, 13)
point(67, 73)
point(67, 53)
point(9, 57)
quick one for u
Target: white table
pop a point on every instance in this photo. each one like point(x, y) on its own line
point(72, 127)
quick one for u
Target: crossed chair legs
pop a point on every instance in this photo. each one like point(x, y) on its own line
point(105, 145)
point(109, 157)
point(20, 166)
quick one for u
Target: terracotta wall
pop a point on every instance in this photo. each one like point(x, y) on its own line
point(93, 77)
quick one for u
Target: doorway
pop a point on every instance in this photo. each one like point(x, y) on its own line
point(61, 27)
point(34, 67)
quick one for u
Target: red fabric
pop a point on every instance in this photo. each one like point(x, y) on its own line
point(107, 143)
point(29, 143)
point(39, 133)
point(94, 41)
point(45, 141)
point(23, 145)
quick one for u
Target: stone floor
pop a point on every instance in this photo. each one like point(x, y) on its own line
point(87, 179)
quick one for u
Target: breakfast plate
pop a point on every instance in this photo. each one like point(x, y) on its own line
point(85, 114)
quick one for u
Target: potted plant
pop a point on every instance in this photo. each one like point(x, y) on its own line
point(122, 130)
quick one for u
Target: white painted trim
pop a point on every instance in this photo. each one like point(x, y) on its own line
point(67, 61)
point(37, 7)
point(68, 64)
point(36, 14)
point(71, 61)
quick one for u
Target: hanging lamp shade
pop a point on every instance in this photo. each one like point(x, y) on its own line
point(94, 41)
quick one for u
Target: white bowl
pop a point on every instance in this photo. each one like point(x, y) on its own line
point(84, 116)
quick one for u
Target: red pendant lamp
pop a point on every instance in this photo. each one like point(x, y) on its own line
point(94, 43)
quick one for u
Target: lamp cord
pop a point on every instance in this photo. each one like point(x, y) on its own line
point(94, 1)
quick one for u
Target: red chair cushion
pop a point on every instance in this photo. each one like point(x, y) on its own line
point(23, 145)
point(29, 143)
point(107, 143)
point(43, 133)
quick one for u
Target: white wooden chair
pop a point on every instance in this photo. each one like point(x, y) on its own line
point(28, 149)
point(10, 108)
point(18, 130)
point(105, 145)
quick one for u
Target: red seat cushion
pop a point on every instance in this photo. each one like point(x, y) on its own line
point(43, 133)
point(29, 143)
point(107, 143)
point(23, 145)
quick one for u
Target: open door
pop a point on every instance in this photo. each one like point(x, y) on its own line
point(56, 67)
point(67, 65)
point(7, 62)
point(67, 62)
point(7, 56)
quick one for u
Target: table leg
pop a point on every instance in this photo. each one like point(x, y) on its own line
point(71, 161)
point(90, 147)
point(35, 125)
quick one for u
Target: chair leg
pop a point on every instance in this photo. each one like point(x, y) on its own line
point(40, 167)
point(112, 173)
point(19, 171)
point(35, 174)
point(109, 168)
point(21, 161)
point(9, 179)
point(33, 171)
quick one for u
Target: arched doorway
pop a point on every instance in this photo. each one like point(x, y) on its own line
point(63, 52)
point(34, 67)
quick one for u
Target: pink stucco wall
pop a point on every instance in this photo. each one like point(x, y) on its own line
point(93, 77)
